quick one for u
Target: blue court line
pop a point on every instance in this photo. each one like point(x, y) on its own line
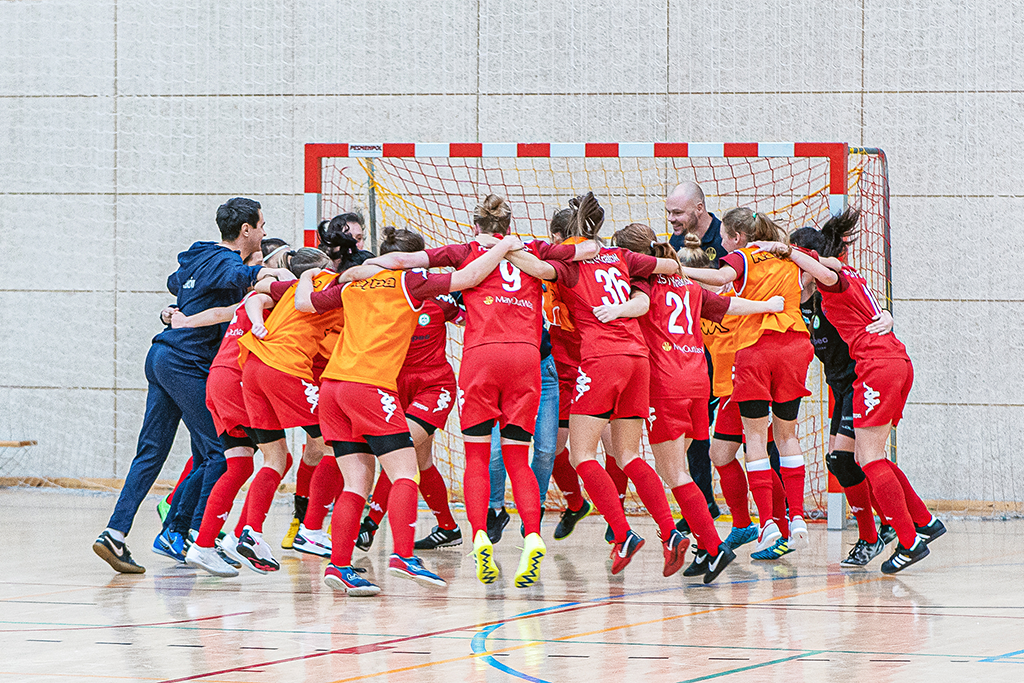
point(752, 666)
point(998, 658)
point(479, 643)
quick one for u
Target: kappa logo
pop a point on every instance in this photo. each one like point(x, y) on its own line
point(871, 399)
point(444, 399)
point(312, 395)
point(224, 517)
point(582, 384)
point(387, 404)
point(460, 397)
point(651, 417)
point(376, 283)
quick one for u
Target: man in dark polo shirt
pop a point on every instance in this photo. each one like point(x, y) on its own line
point(687, 213)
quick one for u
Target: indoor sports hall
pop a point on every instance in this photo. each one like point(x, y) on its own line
point(126, 126)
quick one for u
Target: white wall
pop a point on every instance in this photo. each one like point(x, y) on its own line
point(124, 124)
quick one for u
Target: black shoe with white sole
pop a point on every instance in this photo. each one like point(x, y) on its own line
point(116, 554)
point(439, 538)
point(903, 558)
point(863, 552)
point(718, 563)
point(931, 531)
point(699, 566)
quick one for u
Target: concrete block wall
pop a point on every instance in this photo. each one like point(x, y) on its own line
point(125, 123)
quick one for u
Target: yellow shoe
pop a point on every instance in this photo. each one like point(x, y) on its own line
point(289, 538)
point(529, 562)
point(483, 553)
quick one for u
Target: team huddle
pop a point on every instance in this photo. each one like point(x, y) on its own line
point(643, 334)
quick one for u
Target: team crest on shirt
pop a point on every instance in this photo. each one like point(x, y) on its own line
point(712, 254)
point(816, 322)
point(424, 319)
point(488, 300)
point(665, 346)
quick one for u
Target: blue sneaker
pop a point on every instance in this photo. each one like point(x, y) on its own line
point(741, 536)
point(609, 535)
point(170, 544)
point(412, 568)
point(774, 551)
point(346, 579)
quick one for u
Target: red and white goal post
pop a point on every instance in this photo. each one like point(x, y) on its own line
point(433, 188)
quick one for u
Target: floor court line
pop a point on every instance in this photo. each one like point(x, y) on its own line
point(93, 628)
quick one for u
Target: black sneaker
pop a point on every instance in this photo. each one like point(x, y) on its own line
point(682, 526)
point(931, 531)
point(496, 523)
point(116, 554)
point(567, 522)
point(623, 552)
point(863, 552)
point(714, 510)
point(522, 527)
point(718, 563)
point(903, 558)
point(887, 534)
point(699, 565)
point(227, 558)
point(609, 535)
point(367, 530)
point(439, 538)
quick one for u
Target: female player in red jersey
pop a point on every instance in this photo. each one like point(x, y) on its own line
point(360, 410)
point(884, 378)
point(613, 379)
point(680, 386)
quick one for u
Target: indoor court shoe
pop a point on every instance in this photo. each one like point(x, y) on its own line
point(768, 535)
point(346, 579)
point(170, 544)
point(439, 538)
point(229, 546)
point(675, 552)
point(529, 562)
point(887, 534)
point(741, 536)
point(567, 522)
point(682, 526)
point(773, 552)
point(483, 554)
point(903, 558)
point(623, 552)
point(863, 552)
point(208, 560)
point(522, 526)
point(609, 535)
point(798, 537)
point(289, 538)
point(496, 523)
point(312, 542)
point(224, 555)
point(412, 568)
point(256, 552)
point(115, 553)
point(699, 566)
point(718, 563)
point(931, 531)
point(367, 530)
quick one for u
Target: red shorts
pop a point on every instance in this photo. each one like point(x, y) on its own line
point(428, 397)
point(275, 399)
point(351, 411)
point(224, 399)
point(566, 387)
point(728, 422)
point(880, 391)
point(671, 418)
point(500, 382)
point(773, 369)
point(617, 384)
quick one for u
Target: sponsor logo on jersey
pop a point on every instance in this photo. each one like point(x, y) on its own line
point(871, 399)
point(375, 283)
point(387, 404)
point(760, 256)
point(417, 404)
point(443, 400)
point(686, 348)
point(488, 300)
point(312, 395)
point(189, 284)
point(665, 346)
point(512, 301)
point(711, 327)
point(424, 319)
point(582, 384)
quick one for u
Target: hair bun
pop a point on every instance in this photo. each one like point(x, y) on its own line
point(691, 241)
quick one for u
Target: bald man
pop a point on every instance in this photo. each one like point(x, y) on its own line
point(687, 213)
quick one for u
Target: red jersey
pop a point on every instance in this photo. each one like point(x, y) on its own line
point(850, 307)
point(227, 355)
point(427, 350)
point(604, 279)
point(506, 305)
point(672, 329)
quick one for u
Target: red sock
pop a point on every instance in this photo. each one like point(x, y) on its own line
point(402, 516)
point(882, 519)
point(567, 481)
point(222, 496)
point(695, 512)
point(261, 495)
point(184, 474)
point(476, 484)
point(324, 489)
point(793, 481)
point(602, 492)
point(651, 490)
point(379, 498)
point(779, 505)
point(345, 527)
point(889, 494)
point(619, 478)
point(919, 512)
point(524, 484)
point(302, 478)
point(761, 489)
point(734, 489)
point(859, 498)
point(435, 493)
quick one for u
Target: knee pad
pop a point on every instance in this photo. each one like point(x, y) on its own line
point(753, 410)
point(382, 445)
point(844, 468)
point(482, 429)
point(516, 433)
point(786, 411)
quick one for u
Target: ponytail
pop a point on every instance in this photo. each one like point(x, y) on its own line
point(587, 218)
point(400, 239)
point(691, 254)
point(641, 239)
point(493, 215)
point(838, 232)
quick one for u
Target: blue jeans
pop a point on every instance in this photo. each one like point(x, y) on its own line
point(544, 437)
point(177, 391)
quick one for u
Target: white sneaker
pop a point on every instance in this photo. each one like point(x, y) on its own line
point(229, 545)
point(798, 538)
point(208, 560)
point(769, 534)
point(256, 552)
point(312, 541)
